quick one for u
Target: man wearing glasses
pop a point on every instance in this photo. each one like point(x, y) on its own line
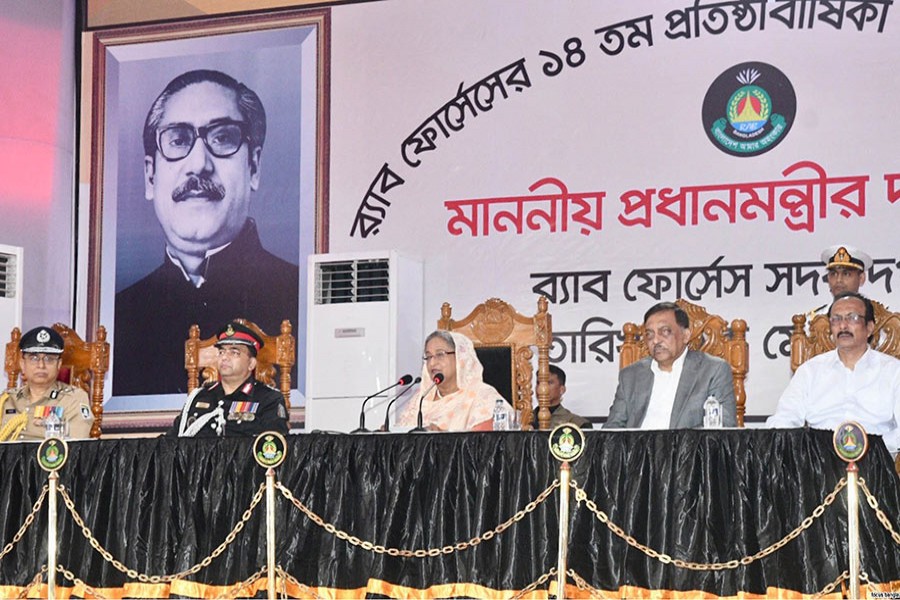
point(203, 140)
point(667, 388)
point(237, 404)
point(853, 382)
point(27, 409)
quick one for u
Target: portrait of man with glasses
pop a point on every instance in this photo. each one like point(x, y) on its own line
point(203, 141)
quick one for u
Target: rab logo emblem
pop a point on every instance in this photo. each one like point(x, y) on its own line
point(749, 109)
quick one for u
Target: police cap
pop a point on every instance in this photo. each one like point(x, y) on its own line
point(43, 340)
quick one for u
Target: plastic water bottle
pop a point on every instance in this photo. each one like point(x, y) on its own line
point(501, 415)
point(53, 425)
point(712, 413)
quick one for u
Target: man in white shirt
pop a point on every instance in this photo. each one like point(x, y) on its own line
point(853, 382)
point(667, 389)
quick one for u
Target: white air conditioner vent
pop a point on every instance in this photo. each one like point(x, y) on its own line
point(12, 286)
point(9, 282)
point(364, 330)
point(352, 281)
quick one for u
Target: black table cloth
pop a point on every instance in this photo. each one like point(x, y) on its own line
point(162, 505)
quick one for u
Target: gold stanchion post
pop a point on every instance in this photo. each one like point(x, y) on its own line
point(566, 445)
point(51, 537)
point(269, 451)
point(52, 455)
point(270, 531)
point(853, 528)
point(851, 443)
point(564, 475)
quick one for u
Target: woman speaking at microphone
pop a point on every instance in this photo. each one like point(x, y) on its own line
point(462, 401)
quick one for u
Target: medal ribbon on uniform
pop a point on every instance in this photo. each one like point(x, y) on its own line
point(42, 412)
point(244, 407)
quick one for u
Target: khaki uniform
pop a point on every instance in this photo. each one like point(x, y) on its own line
point(73, 400)
point(560, 415)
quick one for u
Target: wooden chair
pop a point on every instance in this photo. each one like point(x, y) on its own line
point(709, 333)
point(84, 364)
point(279, 352)
point(503, 340)
point(805, 345)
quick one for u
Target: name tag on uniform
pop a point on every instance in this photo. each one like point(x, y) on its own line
point(10, 411)
point(202, 405)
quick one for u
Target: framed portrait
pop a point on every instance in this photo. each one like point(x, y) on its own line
point(206, 145)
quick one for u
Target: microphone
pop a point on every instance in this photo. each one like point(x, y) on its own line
point(438, 379)
point(405, 380)
point(387, 412)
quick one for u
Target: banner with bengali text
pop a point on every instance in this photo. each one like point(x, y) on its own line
point(609, 155)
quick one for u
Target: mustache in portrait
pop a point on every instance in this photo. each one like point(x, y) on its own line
point(194, 184)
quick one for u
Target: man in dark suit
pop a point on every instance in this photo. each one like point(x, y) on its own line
point(667, 389)
point(203, 140)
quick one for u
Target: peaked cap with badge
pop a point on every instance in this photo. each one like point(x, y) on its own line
point(235, 333)
point(847, 257)
point(42, 340)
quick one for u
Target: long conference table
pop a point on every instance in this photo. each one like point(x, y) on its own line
point(160, 506)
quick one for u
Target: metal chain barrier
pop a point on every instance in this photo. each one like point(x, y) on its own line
point(585, 586)
point(38, 578)
point(71, 577)
point(830, 587)
point(26, 524)
point(236, 589)
point(873, 502)
point(533, 585)
point(161, 578)
point(422, 552)
point(581, 496)
point(288, 578)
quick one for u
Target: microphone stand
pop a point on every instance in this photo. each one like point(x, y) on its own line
point(438, 379)
point(362, 410)
point(387, 412)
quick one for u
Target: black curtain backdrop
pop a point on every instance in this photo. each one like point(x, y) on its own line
point(162, 505)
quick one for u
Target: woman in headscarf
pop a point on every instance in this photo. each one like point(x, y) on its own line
point(462, 401)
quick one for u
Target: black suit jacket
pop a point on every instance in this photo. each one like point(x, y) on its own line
point(154, 315)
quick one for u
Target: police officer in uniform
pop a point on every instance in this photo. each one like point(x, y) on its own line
point(237, 404)
point(27, 409)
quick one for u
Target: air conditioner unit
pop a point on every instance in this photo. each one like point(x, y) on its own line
point(364, 332)
point(11, 287)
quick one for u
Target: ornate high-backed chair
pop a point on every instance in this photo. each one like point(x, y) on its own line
point(504, 340)
point(817, 339)
point(279, 353)
point(709, 333)
point(84, 364)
